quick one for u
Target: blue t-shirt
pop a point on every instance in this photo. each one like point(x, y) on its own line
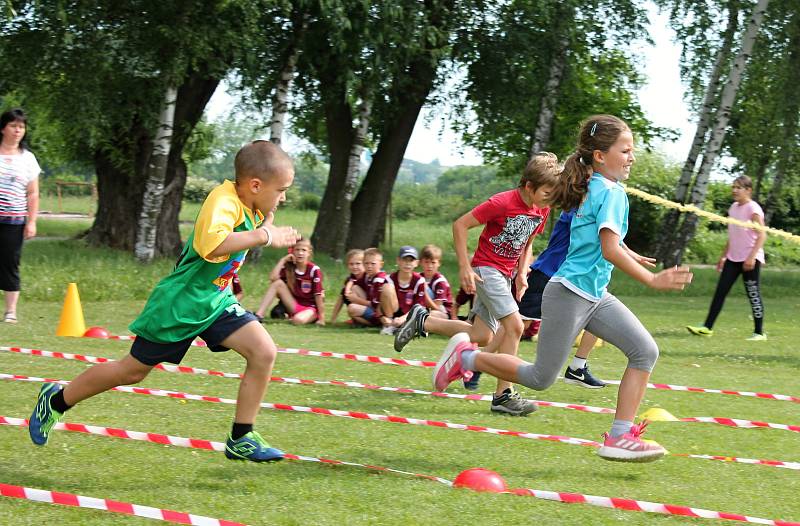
point(556, 251)
point(585, 272)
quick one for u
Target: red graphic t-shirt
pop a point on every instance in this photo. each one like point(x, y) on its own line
point(509, 224)
point(306, 284)
point(409, 293)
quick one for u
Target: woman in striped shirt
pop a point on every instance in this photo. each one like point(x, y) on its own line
point(19, 203)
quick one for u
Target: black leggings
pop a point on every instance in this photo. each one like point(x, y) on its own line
point(731, 271)
point(10, 251)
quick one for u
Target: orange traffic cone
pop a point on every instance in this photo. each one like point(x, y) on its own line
point(71, 322)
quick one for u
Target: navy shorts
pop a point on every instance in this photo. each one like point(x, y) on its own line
point(530, 307)
point(153, 353)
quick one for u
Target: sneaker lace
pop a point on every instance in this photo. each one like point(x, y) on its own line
point(638, 430)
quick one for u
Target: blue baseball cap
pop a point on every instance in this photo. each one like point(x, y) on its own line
point(408, 250)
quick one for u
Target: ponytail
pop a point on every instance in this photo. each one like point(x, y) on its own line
point(574, 183)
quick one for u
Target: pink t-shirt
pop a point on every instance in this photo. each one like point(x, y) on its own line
point(509, 223)
point(742, 240)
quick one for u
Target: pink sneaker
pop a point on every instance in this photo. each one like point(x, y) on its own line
point(449, 369)
point(630, 447)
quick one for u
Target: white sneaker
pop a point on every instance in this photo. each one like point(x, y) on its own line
point(388, 330)
point(757, 337)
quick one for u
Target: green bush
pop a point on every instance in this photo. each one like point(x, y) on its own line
point(197, 188)
point(309, 202)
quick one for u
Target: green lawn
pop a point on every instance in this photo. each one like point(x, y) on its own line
point(113, 288)
point(304, 493)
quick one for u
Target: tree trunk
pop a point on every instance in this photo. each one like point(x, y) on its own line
point(547, 109)
point(668, 231)
point(351, 179)
point(280, 97)
point(369, 207)
point(728, 97)
point(121, 184)
point(339, 128)
point(761, 171)
point(145, 246)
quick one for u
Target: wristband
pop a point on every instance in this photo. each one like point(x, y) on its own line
point(269, 236)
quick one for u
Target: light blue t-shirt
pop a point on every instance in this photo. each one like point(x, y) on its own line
point(585, 272)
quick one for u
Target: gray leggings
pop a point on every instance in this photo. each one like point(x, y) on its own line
point(564, 314)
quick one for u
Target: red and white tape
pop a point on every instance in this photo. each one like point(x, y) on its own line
point(115, 506)
point(330, 412)
point(391, 418)
point(185, 369)
point(730, 422)
point(419, 363)
point(569, 498)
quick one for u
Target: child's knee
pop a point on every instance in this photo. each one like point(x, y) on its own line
point(645, 356)
point(514, 326)
point(262, 355)
point(537, 379)
point(133, 376)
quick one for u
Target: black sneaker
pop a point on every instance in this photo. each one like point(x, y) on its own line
point(583, 378)
point(472, 383)
point(413, 327)
point(511, 403)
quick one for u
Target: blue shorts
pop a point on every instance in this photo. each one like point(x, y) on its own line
point(153, 353)
point(530, 307)
point(371, 316)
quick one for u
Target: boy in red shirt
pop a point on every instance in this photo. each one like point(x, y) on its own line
point(511, 220)
point(409, 286)
point(438, 286)
point(380, 295)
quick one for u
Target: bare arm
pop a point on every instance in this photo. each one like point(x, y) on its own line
point(319, 299)
point(267, 234)
point(523, 267)
point(275, 274)
point(465, 272)
point(675, 278)
point(750, 262)
point(32, 195)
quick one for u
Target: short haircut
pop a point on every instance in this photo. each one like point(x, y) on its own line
point(353, 253)
point(261, 160)
point(431, 252)
point(372, 252)
point(543, 169)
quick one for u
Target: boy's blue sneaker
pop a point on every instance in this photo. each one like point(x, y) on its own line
point(251, 447)
point(44, 417)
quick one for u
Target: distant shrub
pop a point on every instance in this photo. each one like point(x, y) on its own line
point(309, 202)
point(197, 188)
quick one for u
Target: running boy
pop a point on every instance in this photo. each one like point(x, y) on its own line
point(438, 287)
point(196, 300)
point(576, 295)
point(297, 282)
point(512, 219)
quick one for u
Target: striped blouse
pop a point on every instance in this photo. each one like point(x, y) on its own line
point(16, 172)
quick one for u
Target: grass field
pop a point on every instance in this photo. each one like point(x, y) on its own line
point(113, 289)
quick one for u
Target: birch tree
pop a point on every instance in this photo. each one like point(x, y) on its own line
point(707, 110)
point(153, 197)
point(727, 98)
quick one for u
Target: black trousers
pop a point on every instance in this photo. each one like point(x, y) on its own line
point(10, 250)
point(730, 272)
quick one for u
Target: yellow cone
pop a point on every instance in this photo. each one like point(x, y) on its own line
point(71, 322)
point(656, 414)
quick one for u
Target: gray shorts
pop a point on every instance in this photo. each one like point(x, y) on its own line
point(493, 298)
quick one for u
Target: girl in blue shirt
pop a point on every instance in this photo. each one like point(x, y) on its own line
point(576, 296)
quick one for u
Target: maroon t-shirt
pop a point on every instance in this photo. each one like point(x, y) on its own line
point(307, 285)
point(374, 287)
point(509, 224)
point(409, 294)
point(440, 290)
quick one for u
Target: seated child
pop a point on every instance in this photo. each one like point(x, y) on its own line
point(438, 288)
point(297, 281)
point(380, 295)
point(409, 286)
point(462, 298)
point(355, 287)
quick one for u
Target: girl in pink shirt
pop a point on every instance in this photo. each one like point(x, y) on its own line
point(744, 254)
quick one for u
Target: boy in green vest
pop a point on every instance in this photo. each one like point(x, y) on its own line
point(196, 300)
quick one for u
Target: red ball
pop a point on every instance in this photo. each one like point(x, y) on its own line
point(96, 332)
point(480, 479)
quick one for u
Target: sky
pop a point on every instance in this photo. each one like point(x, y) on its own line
point(661, 99)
